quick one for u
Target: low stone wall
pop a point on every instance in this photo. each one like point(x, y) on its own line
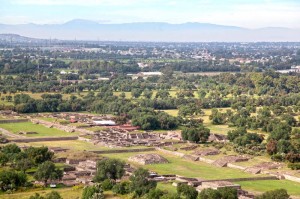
point(209, 161)
point(233, 166)
point(44, 139)
point(13, 121)
point(291, 178)
point(244, 179)
point(123, 151)
point(170, 152)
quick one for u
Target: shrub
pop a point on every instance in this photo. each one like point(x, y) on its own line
point(277, 157)
point(107, 184)
point(122, 188)
point(294, 166)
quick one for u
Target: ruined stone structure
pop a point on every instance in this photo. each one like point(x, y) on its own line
point(207, 152)
point(222, 162)
point(145, 159)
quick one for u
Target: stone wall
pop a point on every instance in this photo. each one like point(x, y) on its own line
point(124, 151)
point(170, 152)
point(291, 178)
point(244, 179)
point(209, 161)
point(44, 139)
point(13, 121)
point(235, 166)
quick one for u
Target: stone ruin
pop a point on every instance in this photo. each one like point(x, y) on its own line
point(189, 147)
point(213, 137)
point(145, 159)
point(112, 137)
point(222, 162)
point(171, 135)
point(263, 167)
point(217, 185)
point(207, 152)
point(191, 157)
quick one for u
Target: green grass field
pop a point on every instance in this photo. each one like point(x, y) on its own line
point(293, 188)
point(41, 130)
point(66, 193)
point(186, 168)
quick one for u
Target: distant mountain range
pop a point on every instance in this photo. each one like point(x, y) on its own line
point(151, 31)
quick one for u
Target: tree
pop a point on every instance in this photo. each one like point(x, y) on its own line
point(275, 194)
point(36, 196)
point(23, 164)
point(53, 195)
point(280, 131)
point(155, 194)
point(148, 93)
point(140, 184)
point(271, 147)
point(11, 149)
point(3, 159)
point(11, 180)
point(93, 192)
point(232, 135)
point(136, 93)
point(187, 191)
point(199, 134)
point(107, 184)
point(209, 194)
point(109, 169)
point(39, 155)
point(217, 117)
point(228, 193)
point(47, 171)
point(122, 188)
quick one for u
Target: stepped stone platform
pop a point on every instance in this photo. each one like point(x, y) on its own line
point(145, 159)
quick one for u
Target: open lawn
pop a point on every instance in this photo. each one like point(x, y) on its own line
point(66, 193)
point(76, 145)
point(41, 130)
point(6, 103)
point(166, 187)
point(293, 188)
point(187, 168)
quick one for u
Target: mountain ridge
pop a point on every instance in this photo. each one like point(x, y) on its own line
point(151, 31)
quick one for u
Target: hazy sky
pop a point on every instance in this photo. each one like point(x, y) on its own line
point(244, 13)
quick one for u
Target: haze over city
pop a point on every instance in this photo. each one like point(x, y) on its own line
point(271, 18)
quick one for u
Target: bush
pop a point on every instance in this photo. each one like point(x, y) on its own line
point(107, 184)
point(122, 188)
point(294, 166)
point(11, 180)
point(277, 157)
point(277, 193)
point(92, 191)
point(155, 194)
point(187, 191)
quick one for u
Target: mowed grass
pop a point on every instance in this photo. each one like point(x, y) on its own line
point(76, 145)
point(206, 171)
point(166, 187)
point(41, 130)
point(293, 188)
point(186, 168)
point(66, 193)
